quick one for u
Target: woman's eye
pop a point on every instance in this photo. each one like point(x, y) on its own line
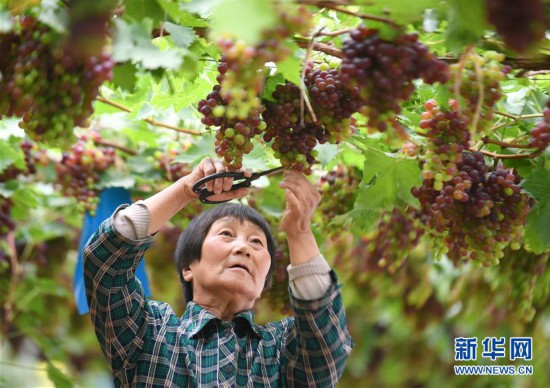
point(226, 233)
point(257, 241)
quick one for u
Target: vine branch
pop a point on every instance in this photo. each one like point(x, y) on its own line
point(149, 120)
point(503, 144)
point(108, 143)
point(531, 155)
point(338, 8)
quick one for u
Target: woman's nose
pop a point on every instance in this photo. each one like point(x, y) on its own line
point(241, 247)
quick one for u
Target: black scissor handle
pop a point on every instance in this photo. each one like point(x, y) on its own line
point(246, 182)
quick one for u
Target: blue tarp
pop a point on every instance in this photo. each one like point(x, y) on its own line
point(109, 200)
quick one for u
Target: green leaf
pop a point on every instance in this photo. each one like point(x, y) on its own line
point(26, 197)
point(141, 9)
point(538, 184)
point(537, 226)
point(181, 36)
point(55, 16)
point(57, 377)
point(291, 69)
point(466, 23)
point(116, 178)
point(133, 43)
point(11, 154)
point(270, 85)
point(327, 153)
point(205, 8)
point(243, 19)
point(399, 10)
point(125, 76)
point(176, 11)
point(387, 179)
point(200, 149)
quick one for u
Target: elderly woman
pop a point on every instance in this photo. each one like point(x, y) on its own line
point(225, 260)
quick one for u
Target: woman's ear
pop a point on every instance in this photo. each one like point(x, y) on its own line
point(187, 274)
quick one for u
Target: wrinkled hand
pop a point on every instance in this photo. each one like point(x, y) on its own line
point(301, 201)
point(220, 187)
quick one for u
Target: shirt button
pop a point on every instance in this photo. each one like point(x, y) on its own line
point(227, 331)
point(228, 369)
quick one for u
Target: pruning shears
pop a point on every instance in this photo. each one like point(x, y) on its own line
point(239, 180)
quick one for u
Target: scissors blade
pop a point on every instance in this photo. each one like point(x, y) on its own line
point(267, 172)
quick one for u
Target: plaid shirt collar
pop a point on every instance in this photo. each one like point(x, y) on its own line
point(197, 320)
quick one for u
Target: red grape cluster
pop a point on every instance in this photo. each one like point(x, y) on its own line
point(339, 191)
point(52, 91)
point(384, 71)
point(7, 224)
point(79, 169)
point(396, 234)
point(478, 212)
point(234, 132)
point(246, 70)
point(448, 137)
point(540, 135)
point(293, 141)
point(521, 24)
point(490, 73)
point(12, 172)
point(165, 161)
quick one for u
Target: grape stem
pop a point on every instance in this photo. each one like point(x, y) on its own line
point(531, 155)
point(303, 94)
point(149, 120)
point(321, 47)
point(516, 117)
point(107, 143)
point(503, 144)
point(337, 6)
point(458, 79)
point(14, 264)
point(480, 97)
point(335, 33)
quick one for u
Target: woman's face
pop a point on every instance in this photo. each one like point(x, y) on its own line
point(234, 262)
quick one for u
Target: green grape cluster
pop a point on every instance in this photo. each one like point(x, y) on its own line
point(44, 85)
point(479, 76)
point(448, 137)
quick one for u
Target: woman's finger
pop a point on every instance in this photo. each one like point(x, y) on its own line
point(292, 202)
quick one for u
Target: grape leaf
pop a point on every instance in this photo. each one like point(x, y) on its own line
point(387, 179)
point(58, 378)
point(270, 85)
point(537, 228)
point(290, 68)
point(201, 148)
point(132, 42)
point(466, 23)
point(125, 76)
point(228, 19)
point(181, 36)
point(141, 9)
point(10, 154)
point(176, 11)
point(327, 153)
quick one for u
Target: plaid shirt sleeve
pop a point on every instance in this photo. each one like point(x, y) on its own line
point(118, 307)
point(317, 347)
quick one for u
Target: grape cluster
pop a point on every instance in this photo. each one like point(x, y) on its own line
point(540, 135)
point(478, 212)
point(78, 172)
point(12, 172)
point(245, 64)
point(491, 73)
point(384, 72)
point(7, 224)
point(521, 24)
point(164, 161)
point(448, 137)
point(235, 131)
point(52, 91)
point(339, 191)
point(396, 234)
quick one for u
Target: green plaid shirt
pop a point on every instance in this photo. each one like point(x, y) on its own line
point(146, 344)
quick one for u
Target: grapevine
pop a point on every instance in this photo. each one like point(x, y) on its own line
point(339, 191)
